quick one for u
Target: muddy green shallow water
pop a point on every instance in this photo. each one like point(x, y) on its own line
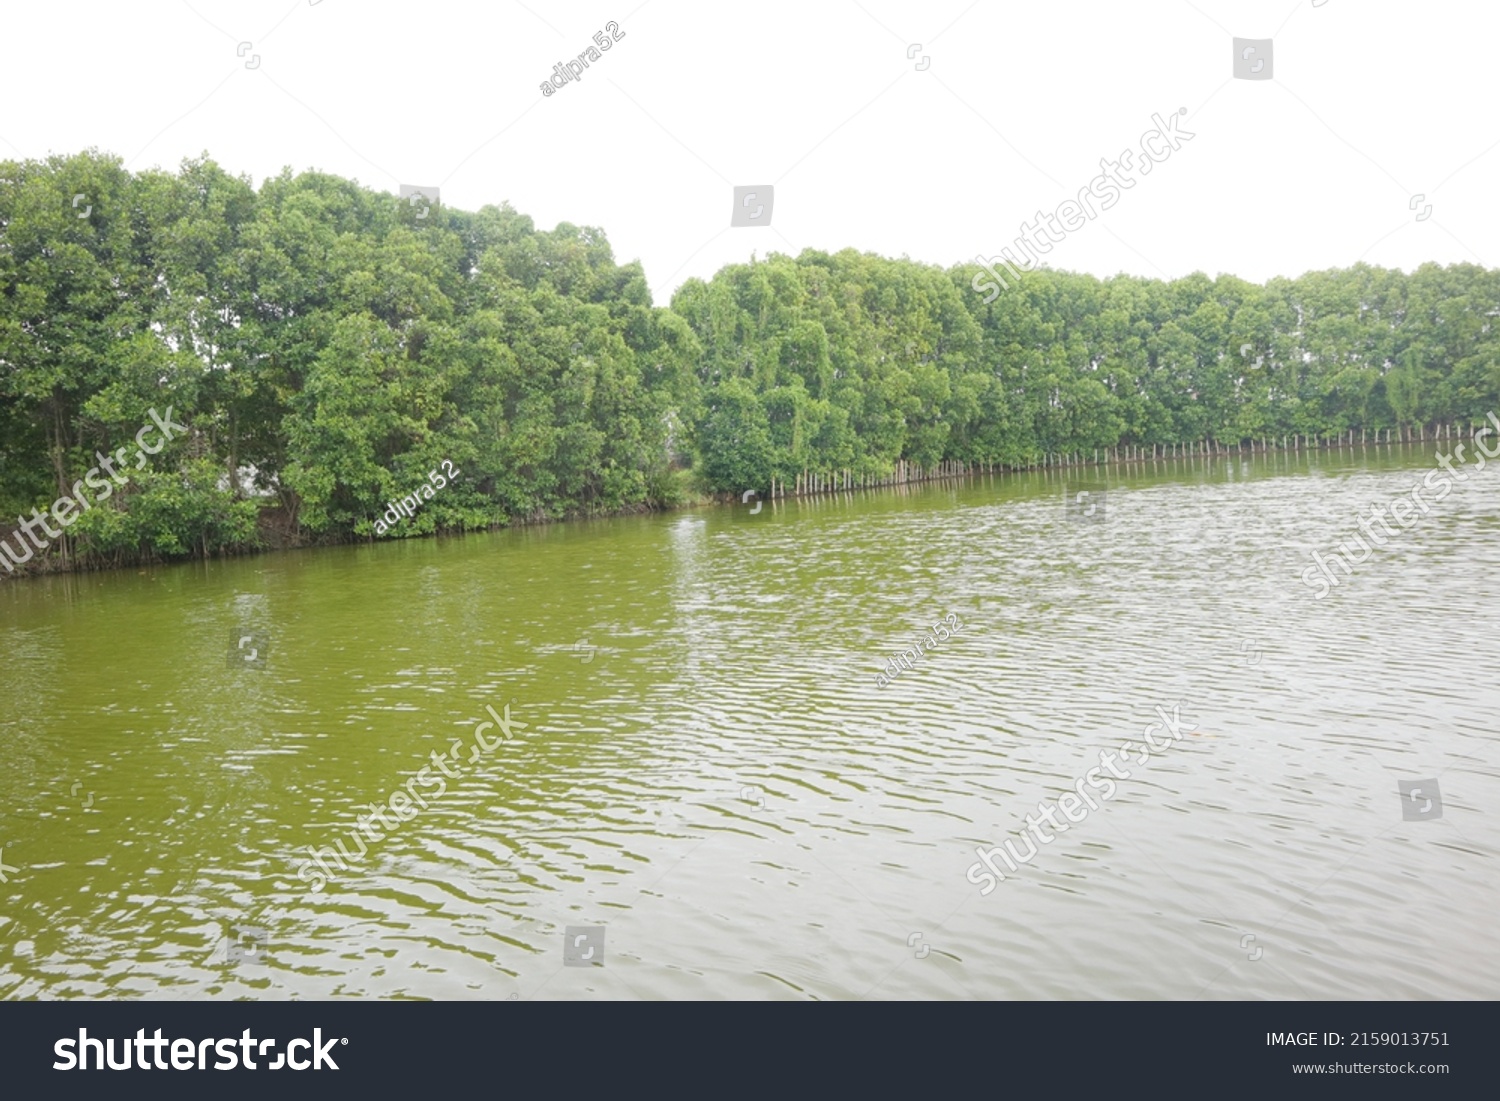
point(711, 772)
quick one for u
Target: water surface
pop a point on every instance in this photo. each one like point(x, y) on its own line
point(711, 772)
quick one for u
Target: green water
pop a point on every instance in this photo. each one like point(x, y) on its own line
point(711, 772)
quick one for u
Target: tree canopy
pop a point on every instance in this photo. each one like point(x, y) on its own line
point(328, 345)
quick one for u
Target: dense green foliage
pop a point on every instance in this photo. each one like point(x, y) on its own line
point(853, 361)
point(328, 345)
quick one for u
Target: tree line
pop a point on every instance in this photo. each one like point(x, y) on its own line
point(327, 345)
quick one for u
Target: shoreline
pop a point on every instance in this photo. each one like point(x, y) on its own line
point(807, 485)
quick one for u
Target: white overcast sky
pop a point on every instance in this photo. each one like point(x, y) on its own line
point(1371, 104)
